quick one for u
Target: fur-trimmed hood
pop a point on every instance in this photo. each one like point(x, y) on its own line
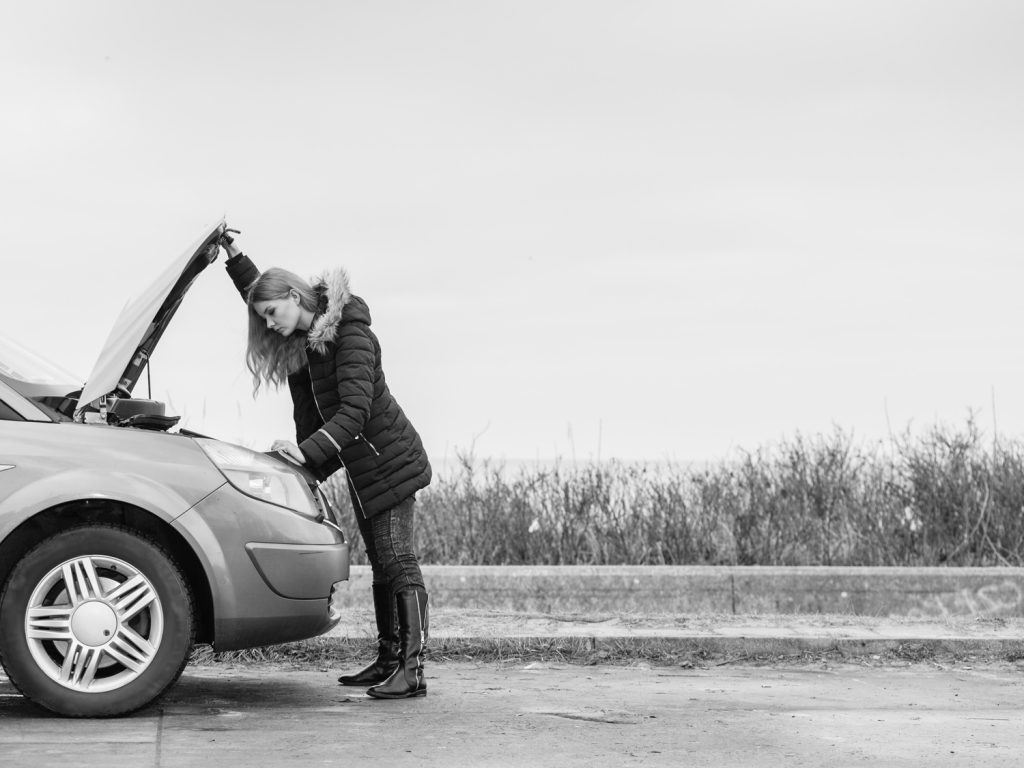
point(337, 305)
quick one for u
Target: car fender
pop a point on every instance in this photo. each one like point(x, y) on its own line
point(91, 485)
point(53, 464)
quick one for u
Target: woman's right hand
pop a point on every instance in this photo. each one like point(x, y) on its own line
point(289, 450)
point(227, 242)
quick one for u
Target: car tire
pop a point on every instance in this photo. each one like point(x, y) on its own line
point(95, 621)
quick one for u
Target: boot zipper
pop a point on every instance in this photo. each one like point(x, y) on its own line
point(423, 641)
point(419, 615)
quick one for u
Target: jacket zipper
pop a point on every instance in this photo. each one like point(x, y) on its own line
point(355, 493)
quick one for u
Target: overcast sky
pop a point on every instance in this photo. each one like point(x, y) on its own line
point(649, 230)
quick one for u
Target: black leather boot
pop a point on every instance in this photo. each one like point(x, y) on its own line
point(413, 622)
point(381, 668)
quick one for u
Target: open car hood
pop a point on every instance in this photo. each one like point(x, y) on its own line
point(143, 321)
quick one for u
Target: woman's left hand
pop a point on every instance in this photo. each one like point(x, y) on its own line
point(289, 450)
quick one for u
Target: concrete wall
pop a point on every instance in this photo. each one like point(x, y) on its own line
point(896, 592)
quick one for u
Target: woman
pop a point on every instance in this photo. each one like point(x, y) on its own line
point(317, 337)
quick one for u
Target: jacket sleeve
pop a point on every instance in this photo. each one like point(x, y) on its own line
point(243, 273)
point(354, 356)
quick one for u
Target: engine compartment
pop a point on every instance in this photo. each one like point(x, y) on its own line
point(141, 413)
point(138, 412)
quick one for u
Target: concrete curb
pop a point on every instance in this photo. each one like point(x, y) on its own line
point(919, 593)
point(498, 634)
point(680, 613)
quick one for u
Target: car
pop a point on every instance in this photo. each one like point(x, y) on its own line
point(125, 540)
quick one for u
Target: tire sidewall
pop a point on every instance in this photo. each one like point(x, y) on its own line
point(141, 554)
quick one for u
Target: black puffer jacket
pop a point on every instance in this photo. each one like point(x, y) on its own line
point(344, 413)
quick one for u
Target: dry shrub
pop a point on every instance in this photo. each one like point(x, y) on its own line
point(943, 497)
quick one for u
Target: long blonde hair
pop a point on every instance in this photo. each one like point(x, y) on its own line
point(269, 356)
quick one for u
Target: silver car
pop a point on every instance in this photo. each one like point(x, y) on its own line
point(125, 540)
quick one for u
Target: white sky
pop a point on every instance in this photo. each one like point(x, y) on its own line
point(654, 229)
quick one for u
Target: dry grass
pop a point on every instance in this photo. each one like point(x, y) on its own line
point(331, 657)
point(948, 497)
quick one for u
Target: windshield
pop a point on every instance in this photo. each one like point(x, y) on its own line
point(16, 362)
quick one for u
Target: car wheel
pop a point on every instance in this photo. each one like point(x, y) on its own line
point(95, 621)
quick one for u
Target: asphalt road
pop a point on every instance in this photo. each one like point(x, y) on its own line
point(541, 714)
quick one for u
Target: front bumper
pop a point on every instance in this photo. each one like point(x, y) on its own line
point(271, 571)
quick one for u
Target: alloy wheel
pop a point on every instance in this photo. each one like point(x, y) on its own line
point(94, 623)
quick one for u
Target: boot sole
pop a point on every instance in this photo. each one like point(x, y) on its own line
point(349, 681)
point(420, 692)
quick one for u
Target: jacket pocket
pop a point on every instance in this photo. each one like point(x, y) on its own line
point(361, 438)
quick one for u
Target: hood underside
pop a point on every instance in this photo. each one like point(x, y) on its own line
point(143, 321)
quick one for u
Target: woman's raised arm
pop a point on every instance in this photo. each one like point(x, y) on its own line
point(241, 270)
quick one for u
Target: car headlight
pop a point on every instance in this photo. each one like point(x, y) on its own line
point(261, 477)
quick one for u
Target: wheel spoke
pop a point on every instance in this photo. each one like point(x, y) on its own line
point(81, 581)
point(94, 663)
point(88, 576)
point(80, 665)
point(131, 649)
point(76, 662)
point(49, 623)
point(131, 597)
